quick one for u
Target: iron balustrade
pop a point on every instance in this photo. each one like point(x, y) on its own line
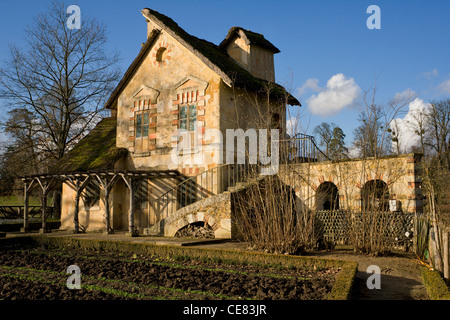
point(301, 148)
point(203, 185)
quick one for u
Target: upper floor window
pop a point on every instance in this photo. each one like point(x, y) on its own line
point(144, 130)
point(188, 117)
point(142, 124)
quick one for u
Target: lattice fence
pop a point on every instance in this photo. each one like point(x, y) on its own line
point(335, 226)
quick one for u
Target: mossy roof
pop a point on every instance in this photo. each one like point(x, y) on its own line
point(253, 38)
point(212, 55)
point(96, 151)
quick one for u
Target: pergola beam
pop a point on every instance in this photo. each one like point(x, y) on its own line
point(27, 188)
point(79, 181)
point(129, 181)
point(78, 185)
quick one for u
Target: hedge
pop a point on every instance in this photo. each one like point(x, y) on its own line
point(436, 287)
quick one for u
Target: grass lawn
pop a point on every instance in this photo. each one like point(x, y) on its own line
point(18, 201)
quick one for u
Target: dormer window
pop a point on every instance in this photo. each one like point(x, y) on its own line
point(252, 51)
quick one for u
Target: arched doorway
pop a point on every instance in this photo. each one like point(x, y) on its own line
point(327, 196)
point(199, 229)
point(375, 196)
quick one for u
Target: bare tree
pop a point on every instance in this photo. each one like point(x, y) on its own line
point(419, 126)
point(396, 133)
point(324, 132)
point(372, 137)
point(439, 130)
point(62, 77)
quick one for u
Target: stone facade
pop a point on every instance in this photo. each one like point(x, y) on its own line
point(400, 174)
point(175, 82)
point(214, 211)
point(172, 84)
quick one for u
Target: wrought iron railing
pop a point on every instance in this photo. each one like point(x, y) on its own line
point(216, 180)
point(299, 149)
point(203, 185)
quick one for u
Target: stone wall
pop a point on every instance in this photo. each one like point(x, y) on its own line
point(215, 211)
point(159, 88)
point(91, 218)
point(400, 173)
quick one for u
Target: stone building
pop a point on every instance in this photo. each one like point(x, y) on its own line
point(177, 81)
point(122, 175)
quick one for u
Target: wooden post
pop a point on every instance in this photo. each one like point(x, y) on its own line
point(131, 211)
point(107, 213)
point(44, 211)
point(46, 185)
point(78, 186)
point(446, 262)
point(129, 182)
point(25, 208)
point(107, 183)
point(76, 223)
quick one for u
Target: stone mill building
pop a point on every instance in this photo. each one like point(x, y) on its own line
point(122, 175)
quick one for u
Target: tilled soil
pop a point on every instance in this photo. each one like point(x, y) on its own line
point(40, 273)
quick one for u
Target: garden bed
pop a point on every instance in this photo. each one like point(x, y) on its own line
point(37, 270)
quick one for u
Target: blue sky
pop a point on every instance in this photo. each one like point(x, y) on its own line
point(319, 41)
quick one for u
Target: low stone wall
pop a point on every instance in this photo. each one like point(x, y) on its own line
point(215, 211)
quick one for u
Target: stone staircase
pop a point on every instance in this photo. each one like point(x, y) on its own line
point(202, 200)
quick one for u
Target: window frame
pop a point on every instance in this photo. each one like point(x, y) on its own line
point(190, 118)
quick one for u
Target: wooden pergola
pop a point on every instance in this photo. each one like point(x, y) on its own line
point(78, 181)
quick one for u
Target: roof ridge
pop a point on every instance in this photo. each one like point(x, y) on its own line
point(252, 36)
point(211, 54)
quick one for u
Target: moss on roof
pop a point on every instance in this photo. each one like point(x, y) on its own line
point(240, 77)
point(254, 38)
point(96, 151)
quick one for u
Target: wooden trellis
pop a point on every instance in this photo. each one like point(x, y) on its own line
point(80, 180)
point(335, 225)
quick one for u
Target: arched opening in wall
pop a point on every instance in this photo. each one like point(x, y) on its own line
point(161, 54)
point(327, 196)
point(375, 196)
point(199, 230)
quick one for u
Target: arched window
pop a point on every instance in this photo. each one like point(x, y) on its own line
point(375, 196)
point(327, 196)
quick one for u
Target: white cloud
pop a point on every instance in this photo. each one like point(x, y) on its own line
point(445, 86)
point(405, 95)
point(310, 84)
point(430, 74)
point(339, 93)
point(407, 125)
point(353, 152)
